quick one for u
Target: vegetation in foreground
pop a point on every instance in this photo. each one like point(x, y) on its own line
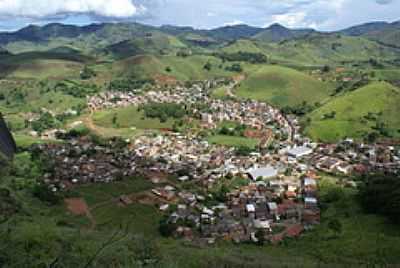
point(43, 232)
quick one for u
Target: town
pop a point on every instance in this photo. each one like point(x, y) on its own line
point(277, 193)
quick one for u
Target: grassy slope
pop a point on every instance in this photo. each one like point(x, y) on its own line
point(351, 108)
point(242, 45)
point(189, 68)
point(327, 49)
point(42, 65)
point(282, 86)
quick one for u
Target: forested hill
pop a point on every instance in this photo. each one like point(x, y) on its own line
point(7, 143)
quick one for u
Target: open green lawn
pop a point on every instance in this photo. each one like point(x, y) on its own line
point(139, 219)
point(378, 98)
point(283, 86)
point(96, 193)
point(128, 117)
point(388, 74)
point(219, 93)
point(233, 141)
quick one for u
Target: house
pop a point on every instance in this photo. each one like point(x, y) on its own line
point(273, 208)
point(310, 202)
point(264, 173)
point(262, 224)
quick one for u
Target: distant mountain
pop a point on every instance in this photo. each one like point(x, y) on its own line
point(128, 39)
point(382, 32)
point(278, 33)
point(35, 33)
point(234, 32)
point(366, 28)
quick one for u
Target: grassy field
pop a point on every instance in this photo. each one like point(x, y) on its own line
point(351, 110)
point(188, 68)
point(233, 141)
point(327, 49)
point(96, 193)
point(283, 87)
point(242, 45)
point(129, 117)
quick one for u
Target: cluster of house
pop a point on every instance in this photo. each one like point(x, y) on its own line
point(270, 205)
point(279, 196)
point(278, 203)
point(196, 93)
point(254, 114)
point(257, 115)
point(349, 157)
point(82, 161)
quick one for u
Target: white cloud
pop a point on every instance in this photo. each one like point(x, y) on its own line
point(233, 23)
point(293, 19)
point(46, 8)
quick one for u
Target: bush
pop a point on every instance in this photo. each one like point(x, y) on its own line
point(381, 195)
point(243, 56)
point(163, 111)
point(87, 73)
point(236, 67)
point(44, 194)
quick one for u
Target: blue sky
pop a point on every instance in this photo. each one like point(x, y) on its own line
point(319, 14)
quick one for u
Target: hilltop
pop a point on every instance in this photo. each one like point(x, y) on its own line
point(283, 86)
point(370, 109)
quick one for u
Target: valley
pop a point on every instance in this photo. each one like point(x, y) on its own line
point(176, 147)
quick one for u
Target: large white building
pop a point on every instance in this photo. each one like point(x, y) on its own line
point(267, 172)
point(298, 152)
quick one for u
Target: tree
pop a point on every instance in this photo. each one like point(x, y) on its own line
point(168, 69)
point(336, 226)
point(326, 69)
point(381, 195)
point(207, 66)
point(114, 119)
point(236, 67)
point(87, 73)
point(260, 235)
point(43, 193)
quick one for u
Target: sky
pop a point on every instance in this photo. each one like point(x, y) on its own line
point(324, 15)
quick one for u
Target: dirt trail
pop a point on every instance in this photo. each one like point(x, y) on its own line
point(79, 207)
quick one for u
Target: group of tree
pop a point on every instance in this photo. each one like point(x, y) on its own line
point(77, 90)
point(163, 111)
point(250, 57)
point(380, 194)
point(237, 131)
point(300, 109)
point(236, 67)
point(87, 73)
point(128, 84)
point(44, 122)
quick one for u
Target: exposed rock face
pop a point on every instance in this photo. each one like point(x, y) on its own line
point(7, 143)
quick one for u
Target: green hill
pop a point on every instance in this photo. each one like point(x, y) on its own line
point(282, 86)
point(278, 33)
point(358, 113)
point(242, 45)
point(40, 65)
point(188, 68)
point(328, 49)
point(155, 43)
